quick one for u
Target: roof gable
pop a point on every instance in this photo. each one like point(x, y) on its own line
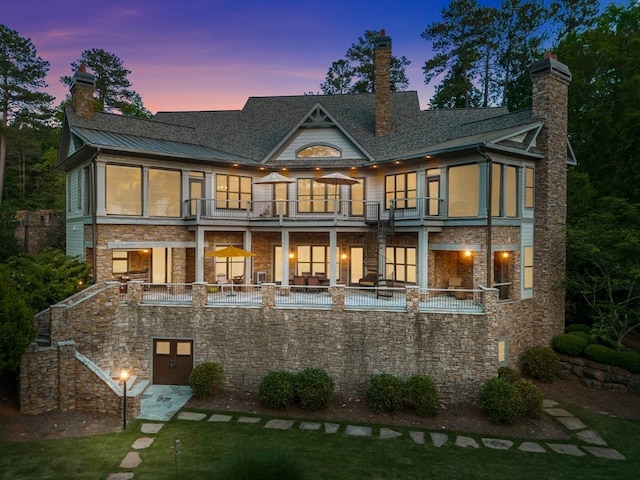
point(318, 118)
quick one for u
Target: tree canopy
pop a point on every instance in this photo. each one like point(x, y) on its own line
point(355, 73)
point(22, 75)
point(112, 84)
point(17, 328)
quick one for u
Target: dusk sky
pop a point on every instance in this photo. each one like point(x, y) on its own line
point(214, 54)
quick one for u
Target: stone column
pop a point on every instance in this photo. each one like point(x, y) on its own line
point(67, 375)
point(199, 294)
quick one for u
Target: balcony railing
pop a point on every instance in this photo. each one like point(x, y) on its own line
point(323, 210)
point(311, 297)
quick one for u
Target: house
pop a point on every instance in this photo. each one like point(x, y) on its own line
point(465, 207)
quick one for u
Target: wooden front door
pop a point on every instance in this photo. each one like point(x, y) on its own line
point(172, 361)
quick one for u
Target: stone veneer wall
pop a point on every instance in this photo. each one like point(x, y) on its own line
point(459, 351)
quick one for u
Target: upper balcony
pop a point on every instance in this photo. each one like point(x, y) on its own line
point(324, 211)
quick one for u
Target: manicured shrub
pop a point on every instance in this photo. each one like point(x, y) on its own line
point(385, 393)
point(276, 390)
point(501, 401)
point(541, 363)
point(313, 389)
point(629, 360)
point(255, 463)
point(585, 335)
point(423, 394)
point(601, 354)
point(206, 379)
point(578, 327)
point(569, 344)
point(508, 374)
point(532, 398)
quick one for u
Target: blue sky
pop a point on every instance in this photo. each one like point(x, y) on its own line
point(214, 54)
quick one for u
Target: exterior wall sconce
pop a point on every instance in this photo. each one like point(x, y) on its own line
point(291, 255)
point(467, 253)
point(505, 254)
point(343, 256)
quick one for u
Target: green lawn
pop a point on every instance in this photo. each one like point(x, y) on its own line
point(323, 456)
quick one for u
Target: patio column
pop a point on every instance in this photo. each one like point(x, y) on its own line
point(199, 254)
point(333, 256)
point(247, 260)
point(423, 258)
point(285, 257)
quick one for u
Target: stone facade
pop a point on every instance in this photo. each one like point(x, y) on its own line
point(350, 345)
point(550, 92)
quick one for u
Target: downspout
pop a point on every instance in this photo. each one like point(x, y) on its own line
point(489, 222)
point(94, 210)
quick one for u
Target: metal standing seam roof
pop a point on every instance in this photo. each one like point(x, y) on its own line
point(105, 139)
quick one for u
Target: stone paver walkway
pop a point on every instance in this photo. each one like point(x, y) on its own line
point(586, 441)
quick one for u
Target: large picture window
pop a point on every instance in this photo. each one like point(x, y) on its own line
point(164, 193)
point(314, 259)
point(504, 191)
point(232, 191)
point(400, 264)
point(314, 196)
point(464, 191)
point(403, 188)
point(123, 190)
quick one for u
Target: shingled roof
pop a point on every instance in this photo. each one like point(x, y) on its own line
point(250, 134)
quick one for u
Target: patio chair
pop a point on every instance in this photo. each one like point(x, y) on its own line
point(455, 283)
point(299, 284)
point(313, 281)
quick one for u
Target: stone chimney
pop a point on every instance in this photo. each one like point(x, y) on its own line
point(83, 84)
point(551, 81)
point(382, 83)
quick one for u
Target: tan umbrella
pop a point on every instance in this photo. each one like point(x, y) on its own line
point(273, 178)
point(336, 178)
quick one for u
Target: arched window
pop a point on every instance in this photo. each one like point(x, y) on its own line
point(318, 151)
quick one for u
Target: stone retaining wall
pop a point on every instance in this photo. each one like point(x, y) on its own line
point(600, 376)
point(458, 351)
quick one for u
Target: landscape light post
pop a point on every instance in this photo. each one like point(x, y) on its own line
point(124, 376)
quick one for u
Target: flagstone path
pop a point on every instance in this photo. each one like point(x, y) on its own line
point(586, 441)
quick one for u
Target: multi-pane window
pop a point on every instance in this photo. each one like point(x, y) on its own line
point(400, 264)
point(123, 190)
point(528, 187)
point(232, 191)
point(314, 259)
point(403, 188)
point(527, 267)
point(464, 190)
point(164, 193)
point(504, 191)
point(280, 196)
point(314, 196)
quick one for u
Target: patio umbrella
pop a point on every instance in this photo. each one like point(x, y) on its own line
point(231, 251)
point(228, 252)
point(273, 178)
point(336, 178)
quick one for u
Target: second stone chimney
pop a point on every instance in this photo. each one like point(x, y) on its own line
point(550, 96)
point(83, 84)
point(382, 83)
